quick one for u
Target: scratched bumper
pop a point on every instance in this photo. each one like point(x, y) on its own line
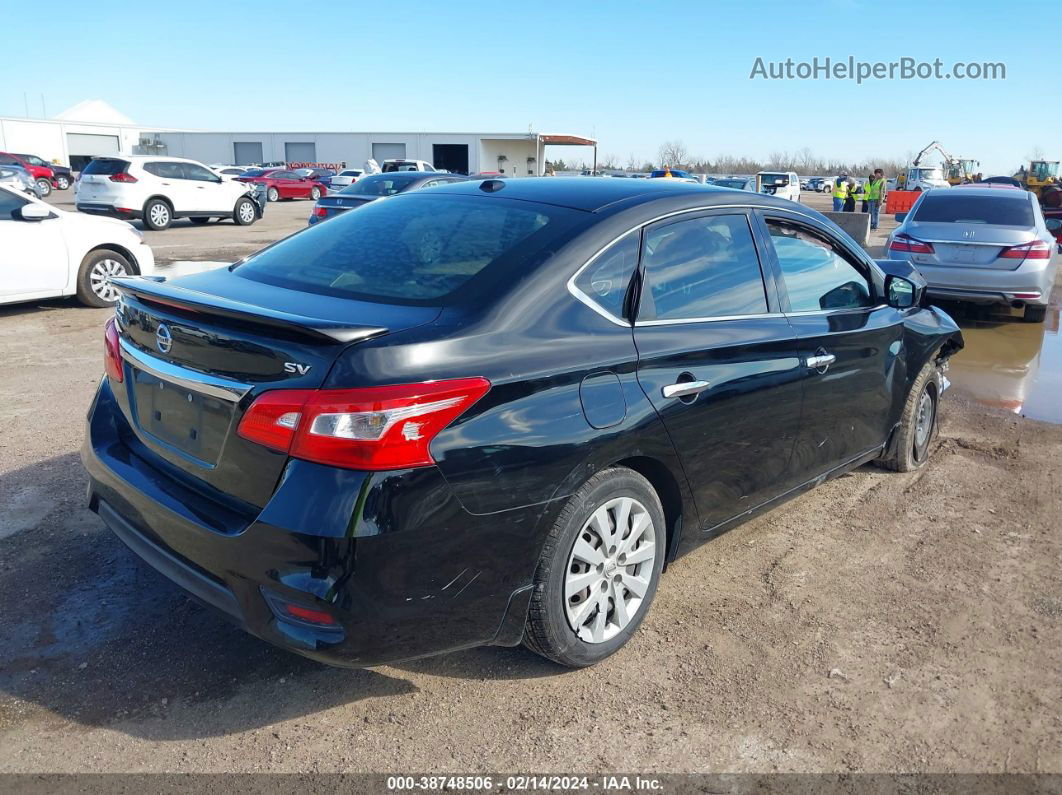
point(393, 557)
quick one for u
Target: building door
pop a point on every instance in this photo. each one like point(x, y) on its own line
point(450, 157)
point(296, 152)
point(83, 147)
point(247, 153)
point(382, 152)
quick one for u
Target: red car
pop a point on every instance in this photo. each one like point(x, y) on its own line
point(42, 175)
point(283, 184)
point(1053, 217)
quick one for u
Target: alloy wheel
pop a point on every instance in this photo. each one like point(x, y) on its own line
point(100, 278)
point(160, 214)
point(246, 212)
point(609, 570)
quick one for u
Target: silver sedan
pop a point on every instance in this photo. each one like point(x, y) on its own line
point(987, 245)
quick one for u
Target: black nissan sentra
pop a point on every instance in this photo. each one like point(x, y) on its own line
point(491, 412)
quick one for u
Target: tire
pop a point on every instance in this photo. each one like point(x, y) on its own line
point(1034, 314)
point(199, 221)
point(96, 268)
point(315, 193)
point(245, 213)
point(918, 423)
point(569, 626)
point(44, 187)
point(272, 195)
point(158, 214)
point(63, 182)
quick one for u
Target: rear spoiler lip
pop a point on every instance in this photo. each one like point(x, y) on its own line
point(193, 300)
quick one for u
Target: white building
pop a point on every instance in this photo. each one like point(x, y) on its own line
point(93, 128)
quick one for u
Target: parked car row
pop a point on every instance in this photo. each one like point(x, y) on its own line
point(43, 175)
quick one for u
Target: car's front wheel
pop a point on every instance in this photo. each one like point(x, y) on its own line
point(244, 214)
point(94, 287)
point(598, 571)
point(1034, 314)
point(44, 187)
point(63, 182)
point(918, 423)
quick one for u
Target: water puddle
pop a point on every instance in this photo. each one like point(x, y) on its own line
point(1008, 364)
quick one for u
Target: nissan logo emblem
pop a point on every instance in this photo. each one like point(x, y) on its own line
point(163, 338)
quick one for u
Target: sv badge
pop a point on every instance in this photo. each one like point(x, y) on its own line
point(296, 368)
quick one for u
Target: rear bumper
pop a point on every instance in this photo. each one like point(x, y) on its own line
point(409, 573)
point(987, 286)
point(108, 210)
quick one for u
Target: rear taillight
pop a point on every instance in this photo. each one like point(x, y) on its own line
point(122, 177)
point(376, 428)
point(320, 212)
point(1035, 250)
point(112, 353)
point(909, 245)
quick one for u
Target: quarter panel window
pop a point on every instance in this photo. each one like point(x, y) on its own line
point(816, 275)
point(702, 267)
point(606, 279)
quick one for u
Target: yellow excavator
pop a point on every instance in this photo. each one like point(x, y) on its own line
point(1041, 177)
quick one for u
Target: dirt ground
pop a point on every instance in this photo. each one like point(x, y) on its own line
point(882, 622)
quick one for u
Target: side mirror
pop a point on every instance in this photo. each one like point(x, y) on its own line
point(899, 292)
point(33, 212)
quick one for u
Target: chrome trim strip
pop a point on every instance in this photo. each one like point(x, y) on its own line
point(222, 388)
point(845, 311)
point(973, 242)
point(583, 298)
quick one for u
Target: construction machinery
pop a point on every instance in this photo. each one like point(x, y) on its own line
point(955, 171)
point(1041, 177)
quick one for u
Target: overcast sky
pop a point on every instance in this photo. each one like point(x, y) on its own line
point(632, 74)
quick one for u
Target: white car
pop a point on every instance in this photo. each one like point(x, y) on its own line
point(228, 172)
point(783, 184)
point(406, 165)
point(345, 178)
point(46, 252)
point(159, 189)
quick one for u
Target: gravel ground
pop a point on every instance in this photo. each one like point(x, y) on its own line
point(882, 622)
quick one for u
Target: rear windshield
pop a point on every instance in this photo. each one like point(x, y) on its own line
point(382, 185)
point(350, 173)
point(105, 166)
point(418, 248)
point(949, 208)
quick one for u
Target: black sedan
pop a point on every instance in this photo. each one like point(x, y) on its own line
point(490, 413)
point(377, 186)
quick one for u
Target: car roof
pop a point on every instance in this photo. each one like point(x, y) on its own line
point(592, 195)
point(989, 186)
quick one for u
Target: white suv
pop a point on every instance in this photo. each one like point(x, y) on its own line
point(46, 252)
point(159, 189)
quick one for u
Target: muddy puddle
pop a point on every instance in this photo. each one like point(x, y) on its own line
point(1008, 364)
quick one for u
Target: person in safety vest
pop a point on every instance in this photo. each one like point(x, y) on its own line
point(850, 199)
point(840, 192)
point(875, 195)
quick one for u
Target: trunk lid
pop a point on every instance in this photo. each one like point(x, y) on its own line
point(199, 350)
point(968, 245)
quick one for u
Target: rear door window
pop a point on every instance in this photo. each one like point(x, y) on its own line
point(701, 268)
point(817, 275)
point(416, 248)
point(947, 207)
point(165, 169)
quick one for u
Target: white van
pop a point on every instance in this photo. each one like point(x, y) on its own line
point(783, 184)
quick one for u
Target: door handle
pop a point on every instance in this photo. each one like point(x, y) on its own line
point(684, 389)
point(821, 360)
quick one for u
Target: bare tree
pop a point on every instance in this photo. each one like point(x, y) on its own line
point(674, 154)
point(610, 162)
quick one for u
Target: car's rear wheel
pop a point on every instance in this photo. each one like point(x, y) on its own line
point(157, 214)
point(1034, 314)
point(598, 571)
point(199, 221)
point(315, 193)
point(273, 195)
point(918, 423)
point(244, 213)
point(44, 187)
point(63, 182)
point(94, 287)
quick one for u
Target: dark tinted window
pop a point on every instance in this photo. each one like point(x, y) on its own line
point(165, 169)
point(419, 248)
point(948, 207)
point(381, 184)
point(703, 267)
point(34, 160)
point(606, 279)
point(105, 166)
point(9, 202)
point(816, 275)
